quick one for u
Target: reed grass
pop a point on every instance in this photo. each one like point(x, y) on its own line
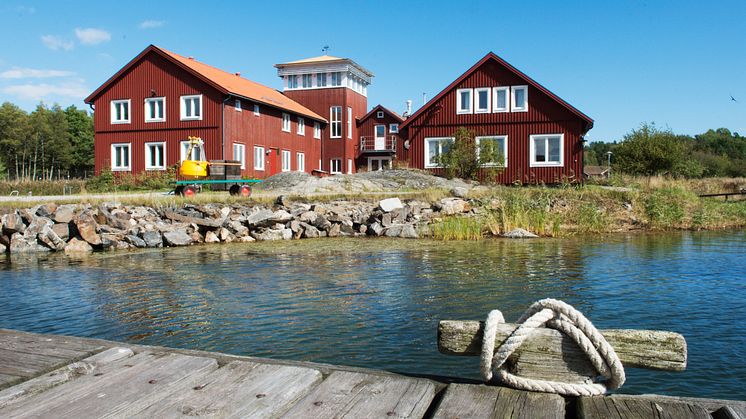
point(458, 228)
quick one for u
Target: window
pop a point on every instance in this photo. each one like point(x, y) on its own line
point(316, 130)
point(120, 111)
point(546, 150)
point(519, 99)
point(336, 121)
point(286, 122)
point(120, 157)
point(285, 161)
point(434, 148)
point(379, 115)
point(321, 80)
point(191, 107)
point(155, 156)
point(256, 110)
point(335, 166)
point(300, 163)
point(307, 81)
point(155, 109)
point(394, 128)
point(301, 126)
point(336, 79)
point(237, 105)
point(239, 153)
point(349, 122)
point(500, 99)
point(482, 100)
point(292, 82)
point(196, 152)
point(463, 101)
point(349, 166)
point(258, 158)
point(493, 150)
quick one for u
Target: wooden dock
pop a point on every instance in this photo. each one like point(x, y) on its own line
point(49, 376)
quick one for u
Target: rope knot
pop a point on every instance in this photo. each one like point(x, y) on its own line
point(565, 318)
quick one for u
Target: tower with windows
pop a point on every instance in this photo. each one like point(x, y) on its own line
point(336, 88)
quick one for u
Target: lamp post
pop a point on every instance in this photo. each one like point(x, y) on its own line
point(608, 163)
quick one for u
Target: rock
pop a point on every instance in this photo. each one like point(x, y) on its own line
point(87, 228)
point(282, 201)
point(246, 239)
point(50, 238)
point(295, 226)
point(225, 212)
point(309, 231)
point(177, 238)
point(281, 216)
point(271, 235)
point(190, 219)
point(347, 227)
point(386, 220)
point(46, 210)
point(152, 239)
point(390, 204)
point(451, 206)
point(78, 246)
point(519, 233)
point(375, 229)
point(408, 232)
point(135, 241)
point(25, 243)
point(3, 249)
point(321, 222)
point(225, 235)
point(13, 223)
point(393, 231)
point(363, 229)
point(309, 217)
point(260, 218)
point(211, 237)
point(459, 192)
point(196, 236)
point(62, 230)
point(334, 230)
point(287, 234)
point(237, 228)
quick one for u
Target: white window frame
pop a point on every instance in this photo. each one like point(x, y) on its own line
point(338, 76)
point(292, 81)
point(349, 122)
point(256, 109)
point(301, 126)
point(114, 152)
point(338, 171)
point(379, 115)
point(113, 108)
point(440, 140)
point(184, 116)
point(532, 150)
point(309, 79)
point(286, 124)
point(259, 162)
point(495, 107)
point(349, 166)
point(470, 102)
point(148, 155)
point(241, 148)
point(393, 128)
point(286, 164)
point(321, 80)
point(504, 138)
point(184, 146)
point(237, 105)
point(300, 162)
point(317, 130)
point(486, 109)
point(335, 122)
point(148, 103)
point(513, 107)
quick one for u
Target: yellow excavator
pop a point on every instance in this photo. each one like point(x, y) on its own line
point(193, 174)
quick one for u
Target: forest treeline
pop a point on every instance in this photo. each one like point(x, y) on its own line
point(47, 143)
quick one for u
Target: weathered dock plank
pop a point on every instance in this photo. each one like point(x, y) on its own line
point(730, 412)
point(601, 407)
point(240, 389)
point(355, 395)
point(480, 401)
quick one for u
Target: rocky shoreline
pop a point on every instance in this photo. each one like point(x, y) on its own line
point(76, 228)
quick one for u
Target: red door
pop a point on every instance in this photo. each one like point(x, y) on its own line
point(274, 162)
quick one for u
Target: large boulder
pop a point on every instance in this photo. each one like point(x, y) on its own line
point(177, 238)
point(50, 238)
point(46, 210)
point(76, 245)
point(408, 232)
point(25, 243)
point(13, 223)
point(452, 206)
point(309, 231)
point(86, 226)
point(272, 234)
point(375, 229)
point(519, 233)
point(390, 204)
point(261, 218)
point(3, 249)
point(64, 213)
point(135, 241)
point(152, 238)
point(62, 230)
point(211, 237)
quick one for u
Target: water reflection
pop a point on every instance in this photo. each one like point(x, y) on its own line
point(376, 303)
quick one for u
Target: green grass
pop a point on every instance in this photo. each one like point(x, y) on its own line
point(458, 228)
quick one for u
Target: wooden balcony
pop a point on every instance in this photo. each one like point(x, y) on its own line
point(373, 145)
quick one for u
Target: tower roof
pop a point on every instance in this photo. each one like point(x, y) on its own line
point(324, 60)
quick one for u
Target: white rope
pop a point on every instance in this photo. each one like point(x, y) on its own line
point(565, 318)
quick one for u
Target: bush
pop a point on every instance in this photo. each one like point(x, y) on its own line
point(107, 181)
point(465, 159)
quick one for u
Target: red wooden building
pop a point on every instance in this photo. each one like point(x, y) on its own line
point(540, 134)
point(379, 139)
point(145, 112)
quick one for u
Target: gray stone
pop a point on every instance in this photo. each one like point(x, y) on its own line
point(375, 229)
point(260, 218)
point(282, 201)
point(386, 220)
point(408, 232)
point(238, 229)
point(177, 238)
point(309, 217)
point(281, 216)
point(25, 243)
point(287, 234)
point(459, 192)
point(309, 231)
point(295, 226)
point(46, 210)
point(393, 231)
point(135, 241)
point(363, 229)
point(452, 206)
point(334, 230)
point(13, 223)
point(519, 233)
point(87, 228)
point(78, 246)
point(321, 223)
point(246, 239)
point(225, 235)
point(272, 235)
point(64, 213)
point(225, 212)
point(347, 227)
point(152, 238)
point(50, 238)
point(62, 230)
point(390, 204)
point(211, 237)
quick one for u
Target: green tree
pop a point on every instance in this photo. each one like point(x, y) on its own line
point(464, 158)
point(14, 136)
point(80, 128)
point(594, 153)
point(652, 151)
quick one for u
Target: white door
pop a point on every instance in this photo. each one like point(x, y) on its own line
point(380, 137)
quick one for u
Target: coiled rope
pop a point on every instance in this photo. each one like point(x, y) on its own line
point(565, 318)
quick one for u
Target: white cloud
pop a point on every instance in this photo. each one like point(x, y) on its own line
point(32, 73)
point(92, 36)
point(150, 24)
point(56, 43)
point(43, 90)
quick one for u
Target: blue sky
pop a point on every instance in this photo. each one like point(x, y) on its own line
point(622, 63)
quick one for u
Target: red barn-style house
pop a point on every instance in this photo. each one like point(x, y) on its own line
point(146, 111)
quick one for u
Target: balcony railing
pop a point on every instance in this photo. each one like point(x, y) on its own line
point(372, 144)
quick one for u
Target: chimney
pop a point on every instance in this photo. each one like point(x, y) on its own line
point(190, 57)
point(238, 73)
point(424, 98)
point(408, 108)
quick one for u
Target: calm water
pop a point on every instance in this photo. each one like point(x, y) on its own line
point(376, 303)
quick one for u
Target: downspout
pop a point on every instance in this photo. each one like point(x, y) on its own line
point(222, 128)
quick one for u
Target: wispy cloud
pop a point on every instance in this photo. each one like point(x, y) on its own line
point(33, 73)
point(56, 43)
point(92, 36)
point(42, 91)
point(150, 24)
